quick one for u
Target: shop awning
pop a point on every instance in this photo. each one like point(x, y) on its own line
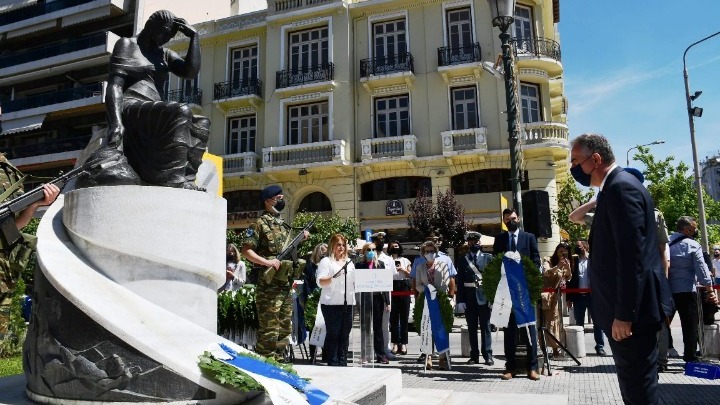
point(22, 124)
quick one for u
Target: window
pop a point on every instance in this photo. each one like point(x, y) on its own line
point(315, 202)
point(241, 134)
point(308, 49)
point(530, 102)
point(392, 116)
point(464, 108)
point(394, 188)
point(308, 123)
point(485, 181)
point(523, 25)
point(243, 64)
point(243, 200)
point(459, 26)
point(390, 40)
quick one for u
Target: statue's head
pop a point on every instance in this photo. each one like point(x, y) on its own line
point(161, 27)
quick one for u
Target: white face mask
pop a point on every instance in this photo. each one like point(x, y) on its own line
point(430, 256)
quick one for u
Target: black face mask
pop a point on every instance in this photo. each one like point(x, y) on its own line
point(579, 251)
point(695, 235)
point(379, 247)
point(280, 205)
point(717, 254)
point(475, 248)
point(512, 226)
point(394, 251)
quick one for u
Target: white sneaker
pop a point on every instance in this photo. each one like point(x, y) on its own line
point(673, 353)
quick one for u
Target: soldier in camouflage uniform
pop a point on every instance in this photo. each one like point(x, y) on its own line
point(13, 262)
point(263, 240)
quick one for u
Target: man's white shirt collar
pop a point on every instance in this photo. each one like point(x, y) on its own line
point(607, 174)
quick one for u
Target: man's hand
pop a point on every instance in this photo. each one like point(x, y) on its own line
point(274, 263)
point(712, 297)
point(621, 330)
point(307, 235)
point(569, 304)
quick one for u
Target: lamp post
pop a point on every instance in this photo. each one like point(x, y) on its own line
point(635, 147)
point(692, 113)
point(502, 12)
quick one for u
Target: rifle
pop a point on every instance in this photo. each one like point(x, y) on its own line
point(8, 229)
point(290, 249)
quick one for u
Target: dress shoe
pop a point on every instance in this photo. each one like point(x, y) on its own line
point(489, 362)
point(443, 364)
point(390, 356)
point(403, 350)
point(533, 375)
point(395, 349)
point(600, 352)
point(421, 359)
point(472, 362)
point(661, 368)
point(381, 359)
point(506, 376)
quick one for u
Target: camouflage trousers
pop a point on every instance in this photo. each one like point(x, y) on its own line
point(274, 308)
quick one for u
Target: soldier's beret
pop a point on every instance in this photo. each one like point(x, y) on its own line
point(472, 235)
point(270, 192)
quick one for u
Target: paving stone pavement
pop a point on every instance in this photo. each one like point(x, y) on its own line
point(594, 382)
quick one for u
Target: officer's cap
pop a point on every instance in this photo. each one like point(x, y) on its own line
point(472, 235)
point(270, 192)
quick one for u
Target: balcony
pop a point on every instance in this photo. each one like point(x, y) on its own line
point(459, 61)
point(387, 71)
point(240, 164)
point(48, 147)
point(545, 134)
point(43, 16)
point(190, 96)
point(311, 78)
point(380, 150)
point(303, 156)
point(282, 6)
point(464, 141)
point(76, 97)
point(539, 53)
point(82, 52)
point(245, 93)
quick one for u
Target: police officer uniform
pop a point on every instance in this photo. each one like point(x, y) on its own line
point(273, 294)
point(477, 309)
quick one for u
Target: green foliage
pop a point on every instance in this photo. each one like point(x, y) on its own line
point(11, 365)
point(446, 311)
point(233, 237)
point(237, 311)
point(570, 197)
point(672, 187)
point(311, 307)
point(445, 218)
point(13, 340)
point(324, 228)
point(29, 273)
point(229, 375)
point(492, 275)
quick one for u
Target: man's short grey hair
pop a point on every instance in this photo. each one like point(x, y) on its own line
point(683, 222)
point(596, 143)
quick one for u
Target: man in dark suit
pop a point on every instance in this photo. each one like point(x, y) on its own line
point(630, 292)
point(526, 244)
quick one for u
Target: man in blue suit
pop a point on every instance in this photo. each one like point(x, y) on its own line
point(526, 244)
point(629, 290)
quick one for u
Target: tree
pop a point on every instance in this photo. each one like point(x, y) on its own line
point(324, 228)
point(570, 197)
point(445, 219)
point(674, 192)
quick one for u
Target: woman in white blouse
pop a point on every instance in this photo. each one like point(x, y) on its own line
point(336, 276)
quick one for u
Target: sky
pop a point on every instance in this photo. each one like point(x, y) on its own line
point(623, 63)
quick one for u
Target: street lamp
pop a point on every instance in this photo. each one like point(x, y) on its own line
point(635, 147)
point(502, 12)
point(693, 112)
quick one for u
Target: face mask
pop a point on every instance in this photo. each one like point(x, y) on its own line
point(695, 234)
point(580, 176)
point(430, 256)
point(717, 254)
point(370, 254)
point(279, 206)
point(394, 251)
point(475, 248)
point(512, 226)
point(579, 251)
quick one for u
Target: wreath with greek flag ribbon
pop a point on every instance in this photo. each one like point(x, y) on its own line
point(446, 311)
point(227, 374)
point(491, 278)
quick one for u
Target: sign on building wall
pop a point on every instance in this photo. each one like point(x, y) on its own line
point(394, 207)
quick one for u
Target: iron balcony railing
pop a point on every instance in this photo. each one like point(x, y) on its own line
point(285, 5)
point(540, 47)
point(381, 65)
point(57, 97)
point(455, 55)
point(189, 96)
point(309, 74)
point(28, 12)
point(47, 147)
point(49, 51)
point(245, 87)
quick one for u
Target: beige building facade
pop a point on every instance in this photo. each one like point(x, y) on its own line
point(354, 106)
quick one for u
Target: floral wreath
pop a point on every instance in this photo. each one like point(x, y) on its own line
point(492, 273)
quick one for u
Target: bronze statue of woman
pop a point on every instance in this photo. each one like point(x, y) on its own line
point(162, 140)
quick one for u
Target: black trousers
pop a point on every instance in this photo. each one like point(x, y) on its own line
point(686, 305)
point(338, 322)
point(372, 308)
point(511, 345)
point(476, 316)
point(399, 316)
point(636, 363)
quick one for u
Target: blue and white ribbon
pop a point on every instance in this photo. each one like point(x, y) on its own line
point(281, 386)
point(432, 322)
point(512, 294)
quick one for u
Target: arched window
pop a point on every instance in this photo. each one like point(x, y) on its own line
point(485, 181)
point(394, 188)
point(315, 202)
